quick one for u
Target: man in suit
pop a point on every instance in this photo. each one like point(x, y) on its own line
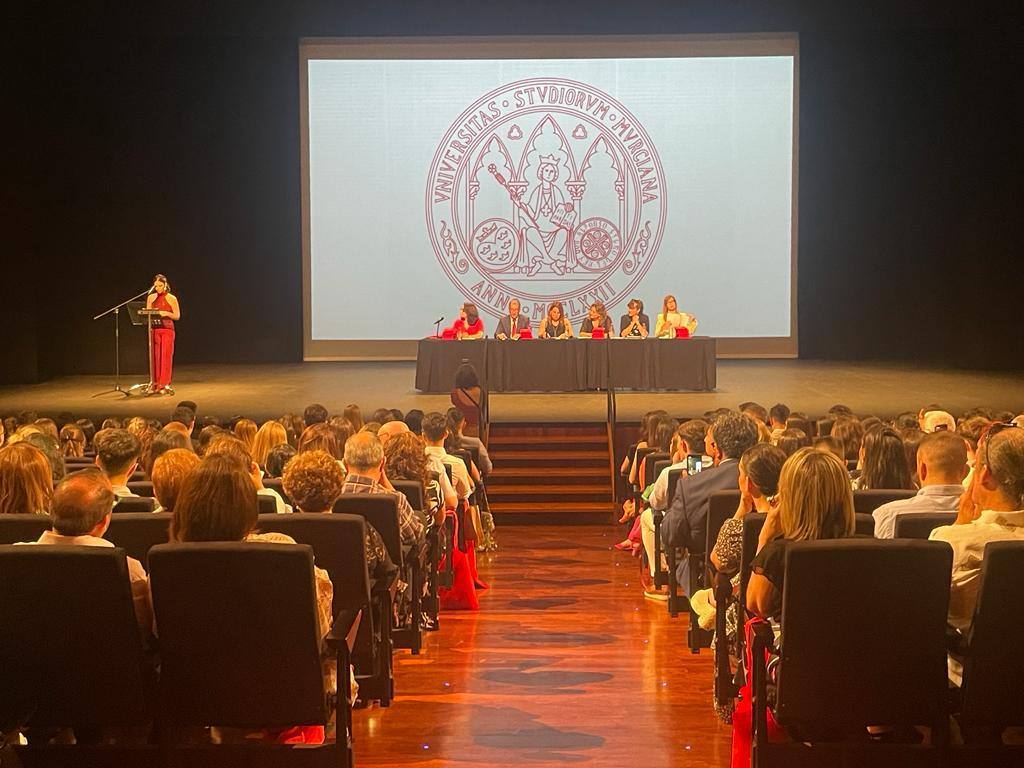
point(512, 324)
point(684, 525)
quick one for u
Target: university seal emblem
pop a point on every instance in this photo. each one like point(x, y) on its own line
point(546, 189)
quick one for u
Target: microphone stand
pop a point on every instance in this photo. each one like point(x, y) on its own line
point(116, 310)
point(437, 327)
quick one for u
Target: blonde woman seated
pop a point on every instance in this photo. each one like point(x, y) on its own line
point(815, 502)
point(555, 325)
point(671, 319)
point(597, 317)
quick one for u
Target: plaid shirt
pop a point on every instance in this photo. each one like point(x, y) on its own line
point(410, 526)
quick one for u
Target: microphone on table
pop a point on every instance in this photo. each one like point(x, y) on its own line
point(437, 326)
point(439, 320)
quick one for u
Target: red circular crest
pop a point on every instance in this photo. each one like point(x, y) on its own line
point(546, 189)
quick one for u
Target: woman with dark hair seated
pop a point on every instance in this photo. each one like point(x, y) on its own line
point(217, 502)
point(597, 317)
point(469, 325)
point(322, 437)
point(883, 461)
point(405, 459)
point(277, 459)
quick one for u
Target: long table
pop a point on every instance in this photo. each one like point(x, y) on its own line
point(569, 365)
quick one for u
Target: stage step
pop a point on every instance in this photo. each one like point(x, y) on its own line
point(550, 473)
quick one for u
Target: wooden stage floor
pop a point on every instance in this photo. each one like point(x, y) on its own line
point(565, 663)
point(267, 391)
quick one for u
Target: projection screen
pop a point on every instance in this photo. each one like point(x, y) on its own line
point(439, 171)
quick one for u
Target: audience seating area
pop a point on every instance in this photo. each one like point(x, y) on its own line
point(869, 651)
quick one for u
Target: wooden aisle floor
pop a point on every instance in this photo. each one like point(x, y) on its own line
point(565, 663)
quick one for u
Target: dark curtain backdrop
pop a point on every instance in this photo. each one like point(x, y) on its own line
point(169, 141)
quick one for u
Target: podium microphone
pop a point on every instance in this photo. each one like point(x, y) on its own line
point(437, 326)
point(439, 320)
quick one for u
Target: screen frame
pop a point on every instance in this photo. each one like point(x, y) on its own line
point(539, 47)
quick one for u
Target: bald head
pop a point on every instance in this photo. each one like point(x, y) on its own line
point(942, 459)
point(81, 502)
point(363, 453)
point(391, 429)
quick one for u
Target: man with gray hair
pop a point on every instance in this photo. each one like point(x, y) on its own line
point(79, 515)
point(684, 524)
point(364, 461)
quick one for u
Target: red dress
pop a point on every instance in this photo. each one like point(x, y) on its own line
point(163, 343)
point(466, 329)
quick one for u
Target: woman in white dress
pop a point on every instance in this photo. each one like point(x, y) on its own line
point(671, 318)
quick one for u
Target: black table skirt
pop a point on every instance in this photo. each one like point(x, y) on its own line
point(570, 365)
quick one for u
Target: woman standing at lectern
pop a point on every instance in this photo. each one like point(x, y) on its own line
point(163, 334)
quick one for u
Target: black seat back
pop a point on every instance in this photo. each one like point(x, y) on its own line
point(867, 502)
point(994, 668)
point(413, 492)
point(338, 543)
point(864, 625)
point(823, 427)
point(239, 634)
point(721, 506)
point(69, 647)
point(138, 532)
point(864, 524)
point(648, 470)
point(659, 467)
point(141, 488)
point(278, 485)
point(380, 511)
point(129, 504)
point(673, 479)
point(919, 525)
point(266, 504)
point(804, 425)
point(15, 528)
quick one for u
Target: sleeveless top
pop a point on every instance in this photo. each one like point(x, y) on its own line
point(556, 329)
point(161, 302)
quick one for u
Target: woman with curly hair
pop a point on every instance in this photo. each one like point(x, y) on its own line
point(405, 459)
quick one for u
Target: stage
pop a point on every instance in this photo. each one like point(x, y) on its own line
point(266, 391)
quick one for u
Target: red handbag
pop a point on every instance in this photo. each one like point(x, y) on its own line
point(743, 715)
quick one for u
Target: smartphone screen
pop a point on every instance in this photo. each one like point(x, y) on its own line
point(693, 465)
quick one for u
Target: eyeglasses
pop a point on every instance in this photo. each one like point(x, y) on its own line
point(991, 431)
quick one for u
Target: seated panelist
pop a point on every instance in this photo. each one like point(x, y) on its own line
point(512, 325)
point(555, 325)
point(671, 319)
point(469, 325)
point(597, 318)
point(634, 324)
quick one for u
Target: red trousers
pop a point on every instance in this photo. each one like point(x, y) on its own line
point(163, 355)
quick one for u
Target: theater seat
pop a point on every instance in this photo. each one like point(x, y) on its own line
point(867, 502)
point(134, 504)
point(15, 528)
point(138, 532)
point(919, 525)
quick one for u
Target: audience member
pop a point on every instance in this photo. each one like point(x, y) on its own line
point(405, 459)
point(840, 411)
point(217, 502)
point(850, 433)
point(688, 441)
point(778, 415)
point(48, 427)
point(456, 420)
point(111, 423)
point(414, 420)
point(321, 437)
point(245, 430)
point(294, 426)
point(938, 420)
point(278, 458)
point(382, 416)
point(435, 431)
point(51, 449)
point(268, 436)
point(165, 440)
point(342, 429)
point(992, 509)
point(184, 415)
point(941, 467)
point(683, 526)
point(72, 441)
point(883, 462)
point(756, 411)
point(26, 480)
point(390, 430)
point(373, 427)
point(354, 414)
point(231, 446)
point(364, 460)
point(314, 414)
point(815, 502)
point(830, 444)
point(912, 438)
point(79, 516)
point(469, 397)
point(313, 481)
point(207, 435)
point(117, 454)
point(169, 472)
point(906, 420)
point(791, 440)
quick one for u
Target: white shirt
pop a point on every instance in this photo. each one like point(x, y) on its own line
point(434, 464)
point(658, 498)
point(931, 498)
point(123, 492)
point(281, 507)
point(463, 484)
point(968, 543)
